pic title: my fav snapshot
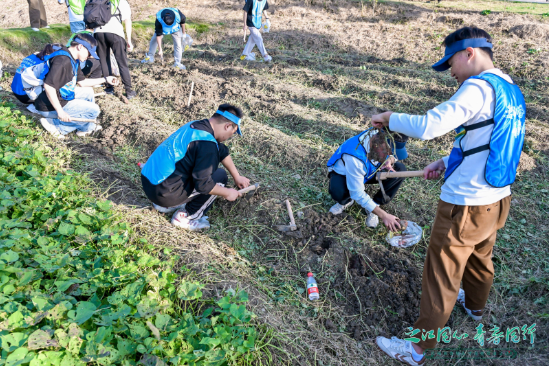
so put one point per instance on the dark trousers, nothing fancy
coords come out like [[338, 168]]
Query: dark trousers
[[110, 41], [92, 70], [199, 205], [196, 204], [338, 188], [37, 14]]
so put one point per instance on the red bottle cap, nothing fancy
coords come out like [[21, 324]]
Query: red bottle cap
[[309, 274]]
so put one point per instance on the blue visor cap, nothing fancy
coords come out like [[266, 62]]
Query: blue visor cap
[[443, 65], [231, 117], [89, 47]]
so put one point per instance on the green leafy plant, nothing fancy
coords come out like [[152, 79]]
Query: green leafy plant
[[76, 288], [485, 12]]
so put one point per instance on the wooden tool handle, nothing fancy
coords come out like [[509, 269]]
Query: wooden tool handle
[[82, 120], [292, 222], [249, 188], [384, 175]]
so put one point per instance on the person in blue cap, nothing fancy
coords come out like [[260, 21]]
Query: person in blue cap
[[182, 174], [67, 93], [169, 21], [488, 115]]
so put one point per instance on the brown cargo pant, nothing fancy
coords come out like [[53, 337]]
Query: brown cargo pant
[[37, 14], [461, 247]]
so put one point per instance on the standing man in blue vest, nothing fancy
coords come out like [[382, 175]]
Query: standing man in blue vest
[[252, 20], [488, 114], [182, 174], [169, 21], [353, 165], [76, 14]]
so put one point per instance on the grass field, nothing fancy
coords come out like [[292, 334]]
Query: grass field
[[336, 63]]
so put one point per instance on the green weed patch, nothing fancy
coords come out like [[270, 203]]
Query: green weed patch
[[77, 288]]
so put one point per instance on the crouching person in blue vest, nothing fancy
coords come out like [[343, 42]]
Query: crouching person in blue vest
[[66, 92], [355, 164], [169, 21], [182, 174], [488, 115]]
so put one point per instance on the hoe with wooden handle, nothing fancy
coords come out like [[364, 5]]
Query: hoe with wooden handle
[[292, 224], [249, 191], [384, 175]]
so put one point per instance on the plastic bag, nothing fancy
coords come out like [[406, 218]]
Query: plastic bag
[[266, 26], [187, 41], [409, 237]]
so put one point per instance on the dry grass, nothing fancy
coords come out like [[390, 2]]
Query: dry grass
[[335, 65]]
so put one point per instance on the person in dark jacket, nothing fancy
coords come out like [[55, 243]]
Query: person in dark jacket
[[182, 174], [169, 21]]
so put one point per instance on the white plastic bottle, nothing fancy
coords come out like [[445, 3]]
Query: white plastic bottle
[[312, 290]]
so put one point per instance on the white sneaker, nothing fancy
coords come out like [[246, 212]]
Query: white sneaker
[[36, 29], [250, 57], [179, 66], [83, 134], [49, 127], [398, 349], [47, 27], [168, 210], [148, 60], [476, 315], [338, 209], [268, 58], [372, 220], [179, 219]]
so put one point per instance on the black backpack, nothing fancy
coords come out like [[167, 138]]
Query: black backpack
[[97, 13]]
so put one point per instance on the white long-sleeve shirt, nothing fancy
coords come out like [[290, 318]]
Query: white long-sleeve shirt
[[474, 102], [355, 172]]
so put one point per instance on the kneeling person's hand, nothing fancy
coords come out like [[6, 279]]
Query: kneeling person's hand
[[232, 195]]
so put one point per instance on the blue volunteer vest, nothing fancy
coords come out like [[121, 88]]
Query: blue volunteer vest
[[66, 92], [506, 141], [162, 163], [257, 9], [16, 83], [355, 148], [169, 29]]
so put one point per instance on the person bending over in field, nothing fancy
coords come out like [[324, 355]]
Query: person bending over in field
[[252, 20], [182, 174], [169, 21], [355, 164], [488, 114]]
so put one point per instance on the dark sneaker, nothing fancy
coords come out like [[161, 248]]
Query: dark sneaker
[[110, 90], [131, 94]]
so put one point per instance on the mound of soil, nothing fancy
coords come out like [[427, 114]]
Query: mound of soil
[[387, 286], [529, 31]]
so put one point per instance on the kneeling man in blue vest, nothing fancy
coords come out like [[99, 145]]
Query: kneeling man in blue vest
[[169, 21], [182, 174], [67, 94]]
